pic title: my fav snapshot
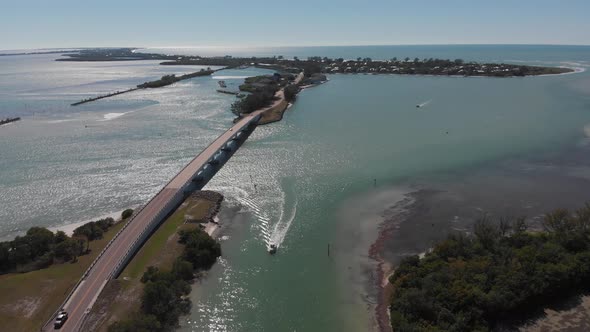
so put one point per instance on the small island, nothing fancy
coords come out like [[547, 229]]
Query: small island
[[407, 66], [270, 94], [317, 64]]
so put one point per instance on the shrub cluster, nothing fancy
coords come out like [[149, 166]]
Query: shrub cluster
[[473, 283], [127, 213], [95, 229], [38, 249], [259, 98], [291, 91], [164, 295], [171, 79]]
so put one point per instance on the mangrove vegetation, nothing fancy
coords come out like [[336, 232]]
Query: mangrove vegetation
[[474, 283], [39, 248], [164, 298]]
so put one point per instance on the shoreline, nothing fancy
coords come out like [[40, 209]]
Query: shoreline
[[383, 268], [507, 188], [574, 70], [360, 222], [162, 82], [69, 228]]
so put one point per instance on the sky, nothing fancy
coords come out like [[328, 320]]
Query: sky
[[247, 23]]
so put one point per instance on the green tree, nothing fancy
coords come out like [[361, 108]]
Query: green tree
[[290, 92], [127, 213], [60, 236], [161, 300], [69, 249], [40, 240], [182, 269]]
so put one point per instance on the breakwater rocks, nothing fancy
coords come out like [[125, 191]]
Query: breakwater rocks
[[164, 81], [212, 196], [83, 101], [8, 120], [171, 79]]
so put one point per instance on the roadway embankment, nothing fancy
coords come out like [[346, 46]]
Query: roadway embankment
[[120, 298]]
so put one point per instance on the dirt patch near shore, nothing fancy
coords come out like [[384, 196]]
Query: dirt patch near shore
[[274, 114], [576, 318]]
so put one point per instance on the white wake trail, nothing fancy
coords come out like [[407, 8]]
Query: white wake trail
[[282, 227]]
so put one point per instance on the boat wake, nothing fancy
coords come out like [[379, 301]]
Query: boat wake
[[261, 216], [271, 232], [112, 116], [424, 104], [281, 228], [229, 77], [60, 121]]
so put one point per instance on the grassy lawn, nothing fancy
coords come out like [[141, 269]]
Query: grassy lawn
[[121, 297], [28, 299], [161, 249]]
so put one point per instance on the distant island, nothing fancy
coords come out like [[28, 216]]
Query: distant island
[[273, 93], [112, 54], [39, 52], [316, 64]]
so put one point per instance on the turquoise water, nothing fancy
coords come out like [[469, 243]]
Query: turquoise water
[[308, 169]]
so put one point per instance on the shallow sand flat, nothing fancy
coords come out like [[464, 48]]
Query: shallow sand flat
[[576, 319], [517, 187], [360, 218]]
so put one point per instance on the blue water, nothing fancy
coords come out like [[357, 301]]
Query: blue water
[[65, 164]]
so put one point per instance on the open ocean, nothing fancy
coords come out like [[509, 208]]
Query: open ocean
[[61, 164]]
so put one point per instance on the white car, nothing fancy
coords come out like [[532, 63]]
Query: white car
[[61, 318]]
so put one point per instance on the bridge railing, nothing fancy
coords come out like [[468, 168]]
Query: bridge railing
[[165, 210]]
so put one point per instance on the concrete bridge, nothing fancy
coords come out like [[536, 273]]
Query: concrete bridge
[[119, 251]]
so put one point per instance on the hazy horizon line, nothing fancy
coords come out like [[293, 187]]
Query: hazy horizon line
[[287, 46]]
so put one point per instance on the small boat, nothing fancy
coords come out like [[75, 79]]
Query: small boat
[[222, 84], [418, 106], [272, 249]]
